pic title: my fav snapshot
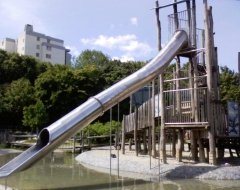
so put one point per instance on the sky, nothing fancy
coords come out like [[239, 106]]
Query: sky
[[124, 30]]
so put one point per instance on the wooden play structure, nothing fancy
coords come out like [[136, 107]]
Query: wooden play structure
[[189, 106]]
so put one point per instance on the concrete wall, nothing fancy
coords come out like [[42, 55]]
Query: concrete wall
[[8, 44], [21, 44]]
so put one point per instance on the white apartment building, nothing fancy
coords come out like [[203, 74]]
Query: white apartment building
[[38, 45]]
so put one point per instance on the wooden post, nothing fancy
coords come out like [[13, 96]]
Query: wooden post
[[130, 144], [203, 45], [162, 151], [178, 95], [176, 24], [215, 73], [183, 141], [195, 74], [158, 23], [139, 143], [173, 142], [212, 150], [135, 131], [201, 149], [123, 134], [189, 23], [179, 150], [193, 145], [144, 142], [194, 24]]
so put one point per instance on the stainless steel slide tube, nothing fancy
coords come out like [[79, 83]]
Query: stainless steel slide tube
[[60, 131]]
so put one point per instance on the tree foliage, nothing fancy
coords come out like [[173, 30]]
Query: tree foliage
[[229, 85], [35, 116], [91, 57], [99, 128], [13, 67], [59, 90], [17, 95]]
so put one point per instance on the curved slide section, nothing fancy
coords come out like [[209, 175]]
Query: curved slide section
[[54, 135]]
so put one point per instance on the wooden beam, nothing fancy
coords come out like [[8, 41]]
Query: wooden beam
[[157, 7]]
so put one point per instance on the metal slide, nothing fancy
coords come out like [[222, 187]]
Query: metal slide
[[54, 135]]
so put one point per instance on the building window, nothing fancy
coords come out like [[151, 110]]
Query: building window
[[48, 56], [23, 48], [48, 41], [49, 48], [23, 40], [2, 43], [38, 46], [37, 54], [38, 38]]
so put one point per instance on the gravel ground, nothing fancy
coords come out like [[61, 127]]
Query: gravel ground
[[227, 168]]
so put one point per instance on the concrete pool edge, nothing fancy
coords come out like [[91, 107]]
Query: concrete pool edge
[[141, 165]]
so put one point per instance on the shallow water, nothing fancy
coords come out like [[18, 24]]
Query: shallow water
[[61, 171]]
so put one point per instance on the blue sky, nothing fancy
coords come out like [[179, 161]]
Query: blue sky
[[123, 30]]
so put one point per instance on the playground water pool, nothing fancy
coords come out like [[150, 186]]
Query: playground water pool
[[60, 171]]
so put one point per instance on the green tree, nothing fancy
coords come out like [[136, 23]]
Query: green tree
[[117, 70], [59, 90], [91, 57], [14, 67], [18, 94], [98, 129], [91, 79], [35, 116], [229, 85]]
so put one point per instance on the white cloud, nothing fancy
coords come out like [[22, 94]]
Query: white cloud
[[85, 41], [109, 42], [124, 58], [127, 44], [133, 21], [73, 50]]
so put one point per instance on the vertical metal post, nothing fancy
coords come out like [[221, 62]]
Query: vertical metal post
[[239, 84], [123, 134], [89, 140], [153, 121], [117, 140], [135, 131], [239, 66], [110, 141], [82, 140], [74, 144], [149, 145]]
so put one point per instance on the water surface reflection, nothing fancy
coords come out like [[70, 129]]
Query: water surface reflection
[[60, 171]]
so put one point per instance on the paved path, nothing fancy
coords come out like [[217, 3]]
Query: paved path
[[227, 168]]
